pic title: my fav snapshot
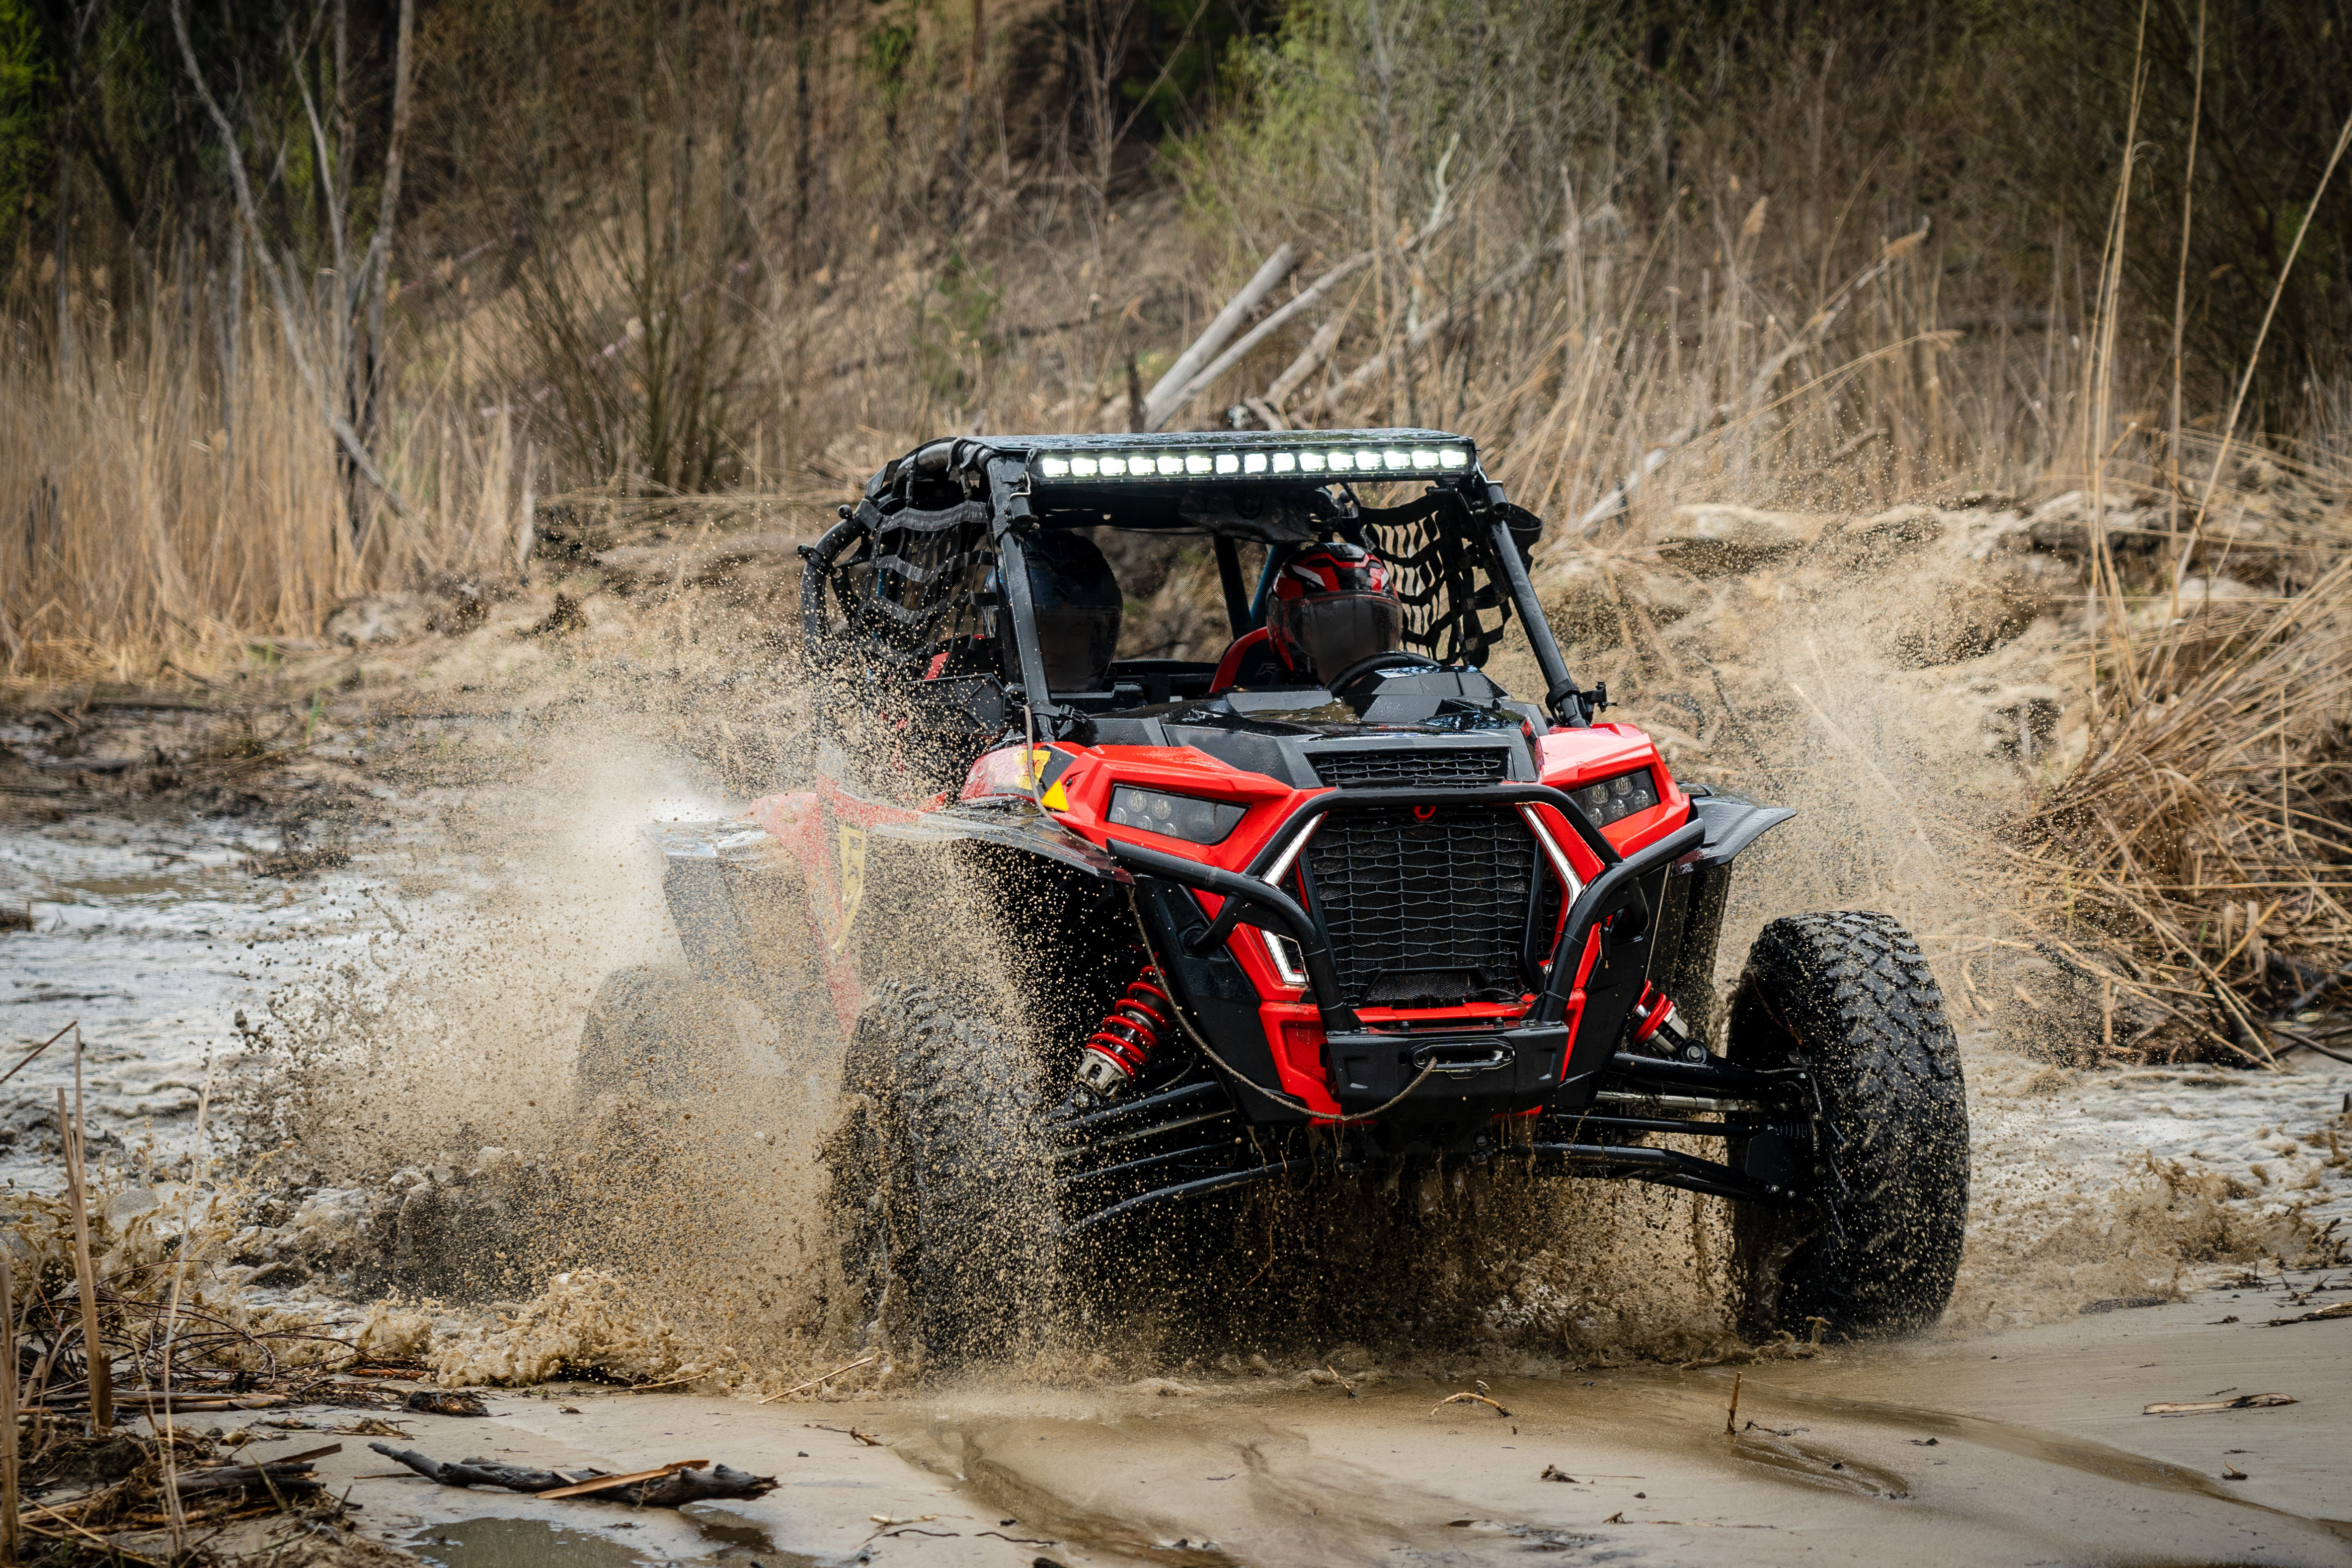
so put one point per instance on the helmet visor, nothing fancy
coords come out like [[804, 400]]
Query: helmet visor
[[1335, 630]]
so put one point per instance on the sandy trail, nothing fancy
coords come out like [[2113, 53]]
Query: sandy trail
[[2024, 1447]]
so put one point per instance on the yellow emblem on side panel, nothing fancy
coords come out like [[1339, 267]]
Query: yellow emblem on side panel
[[853, 880]]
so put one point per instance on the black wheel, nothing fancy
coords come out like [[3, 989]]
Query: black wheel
[[657, 1031], [1849, 997], [939, 1190]]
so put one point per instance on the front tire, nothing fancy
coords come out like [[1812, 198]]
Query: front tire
[[1849, 997], [941, 1191]]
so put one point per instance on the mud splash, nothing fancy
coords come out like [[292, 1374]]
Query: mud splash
[[396, 1033], [409, 1024]]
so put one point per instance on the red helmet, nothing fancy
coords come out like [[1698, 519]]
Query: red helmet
[[1333, 606]]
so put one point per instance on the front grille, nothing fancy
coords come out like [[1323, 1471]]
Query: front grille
[[1397, 767], [1423, 911]]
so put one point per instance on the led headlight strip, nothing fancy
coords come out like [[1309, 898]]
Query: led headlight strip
[[1280, 463]]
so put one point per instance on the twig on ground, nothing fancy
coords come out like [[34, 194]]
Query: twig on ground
[[2209, 1407], [870, 1441], [25, 1060], [812, 1382], [2318, 1315]]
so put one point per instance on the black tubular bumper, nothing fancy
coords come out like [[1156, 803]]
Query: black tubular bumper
[[1531, 1061], [1603, 897], [1266, 905]]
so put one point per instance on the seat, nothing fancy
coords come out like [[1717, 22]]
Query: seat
[[1229, 668]]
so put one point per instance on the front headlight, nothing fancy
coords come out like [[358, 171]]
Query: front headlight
[[1615, 799], [1184, 816]]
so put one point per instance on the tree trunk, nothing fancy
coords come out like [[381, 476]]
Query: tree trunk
[[63, 258], [387, 216]]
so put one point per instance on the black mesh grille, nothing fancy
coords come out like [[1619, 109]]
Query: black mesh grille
[[1422, 911], [1448, 767]]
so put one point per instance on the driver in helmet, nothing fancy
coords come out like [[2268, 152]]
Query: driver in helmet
[[1331, 608]]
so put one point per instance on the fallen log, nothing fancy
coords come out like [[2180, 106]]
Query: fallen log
[[1158, 414], [613, 1483], [671, 1486], [1162, 399], [288, 1476]]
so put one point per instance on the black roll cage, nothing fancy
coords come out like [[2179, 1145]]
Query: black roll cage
[[997, 482]]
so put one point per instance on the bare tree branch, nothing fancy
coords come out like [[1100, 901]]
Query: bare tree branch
[[1306, 301], [353, 447], [388, 211]]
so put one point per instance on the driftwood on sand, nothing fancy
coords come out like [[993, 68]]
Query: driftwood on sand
[[671, 1486]]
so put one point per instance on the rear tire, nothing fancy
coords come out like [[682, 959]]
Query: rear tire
[[1850, 997], [939, 1190], [655, 1030]]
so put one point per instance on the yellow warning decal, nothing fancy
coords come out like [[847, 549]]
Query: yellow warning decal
[[1047, 767], [853, 880]]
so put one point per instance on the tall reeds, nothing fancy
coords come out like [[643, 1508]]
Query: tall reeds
[[2201, 849], [153, 508], [2197, 862]]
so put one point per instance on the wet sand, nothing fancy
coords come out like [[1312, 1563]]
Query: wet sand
[[2028, 1446]]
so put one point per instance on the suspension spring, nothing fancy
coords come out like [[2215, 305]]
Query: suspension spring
[[1658, 1022], [1123, 1042]]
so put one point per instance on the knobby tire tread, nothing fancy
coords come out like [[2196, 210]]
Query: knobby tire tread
[[963, 1189], [1850, 996]]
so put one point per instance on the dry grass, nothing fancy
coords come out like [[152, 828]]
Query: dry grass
[[160, 510], [2196, 866]]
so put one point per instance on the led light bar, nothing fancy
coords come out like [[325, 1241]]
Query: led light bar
[[1316, 463]]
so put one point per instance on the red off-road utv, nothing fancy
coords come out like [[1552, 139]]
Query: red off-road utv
[[1106, 938]]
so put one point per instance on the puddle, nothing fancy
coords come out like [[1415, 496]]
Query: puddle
[[156, 938], [178, 959], [520, 1543], [719, 1537], [1817, 1466]]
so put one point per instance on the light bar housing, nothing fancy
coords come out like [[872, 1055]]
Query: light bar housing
[[1286, 458]]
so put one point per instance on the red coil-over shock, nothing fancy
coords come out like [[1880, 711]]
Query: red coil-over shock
[[1123, 1042], [1654, 1017]]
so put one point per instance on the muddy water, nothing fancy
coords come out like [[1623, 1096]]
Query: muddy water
[[454, 936], [155, 939]]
